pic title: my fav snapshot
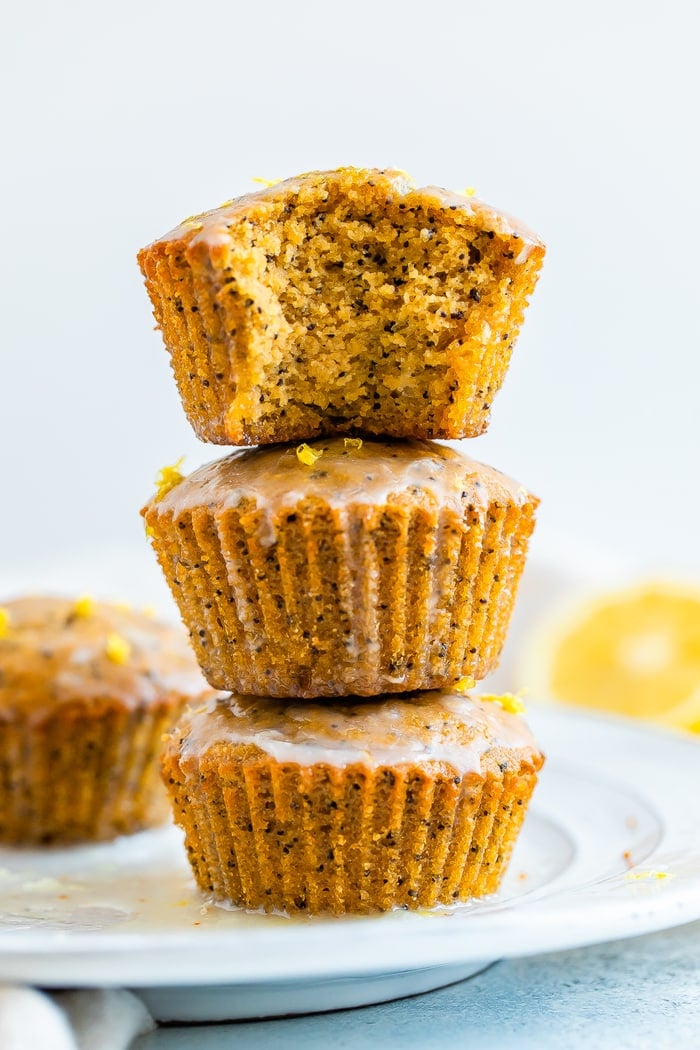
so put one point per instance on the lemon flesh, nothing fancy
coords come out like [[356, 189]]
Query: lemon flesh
[[635, 652]]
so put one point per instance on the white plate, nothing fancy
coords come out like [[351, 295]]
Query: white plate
[[615, 810]]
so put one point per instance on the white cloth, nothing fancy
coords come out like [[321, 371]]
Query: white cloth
[[81, 1020]]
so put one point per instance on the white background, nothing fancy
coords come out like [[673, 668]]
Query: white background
[[582, 119]]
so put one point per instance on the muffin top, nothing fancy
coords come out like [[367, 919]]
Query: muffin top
[[341, 471], [440, 726], [212, 228], [57, 650]]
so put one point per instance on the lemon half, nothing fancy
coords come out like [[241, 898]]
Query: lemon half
[[634, 652]]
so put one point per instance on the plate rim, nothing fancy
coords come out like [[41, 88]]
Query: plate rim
[[522, 926]]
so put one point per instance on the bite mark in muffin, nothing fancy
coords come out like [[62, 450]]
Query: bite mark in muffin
[[341, 301]]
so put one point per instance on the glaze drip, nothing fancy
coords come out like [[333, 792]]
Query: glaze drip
[[418, 728], [275, 478]]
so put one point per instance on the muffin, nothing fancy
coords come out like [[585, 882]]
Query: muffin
[[340, 302], [86, 692], [352, 807], [343, 567]]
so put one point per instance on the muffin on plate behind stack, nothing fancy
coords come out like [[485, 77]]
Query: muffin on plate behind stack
[[87, 690], [348, 567]]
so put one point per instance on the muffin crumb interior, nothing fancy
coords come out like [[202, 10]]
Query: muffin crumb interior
[[343, 306]]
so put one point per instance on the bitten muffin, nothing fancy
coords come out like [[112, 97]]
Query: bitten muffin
[[339, 302], [86, 692], [363, 806], [346, 567]]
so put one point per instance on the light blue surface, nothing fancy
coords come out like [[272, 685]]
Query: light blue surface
[[627, 995]]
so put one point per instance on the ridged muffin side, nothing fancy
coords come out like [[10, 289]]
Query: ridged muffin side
[[327, 824], [377, 567], [84, 774]]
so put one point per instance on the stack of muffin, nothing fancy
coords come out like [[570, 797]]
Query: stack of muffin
[[346, 584]]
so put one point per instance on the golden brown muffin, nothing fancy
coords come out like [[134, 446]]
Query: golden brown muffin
[[338, 302], [86, 692], [348, 567], [362, 806]]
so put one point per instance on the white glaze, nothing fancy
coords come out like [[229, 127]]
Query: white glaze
[[275, 479], [211, 230], [438, 726], [51, 656]]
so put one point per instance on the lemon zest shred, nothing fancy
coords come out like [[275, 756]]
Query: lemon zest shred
[[636, 876], [465, 684], [307, 455], [168, 477], [353, 442], [84, 606], [4, 622], [265, 182], [150, 531], [193, 221], [510, 702], [470, 191], [117, 649]]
